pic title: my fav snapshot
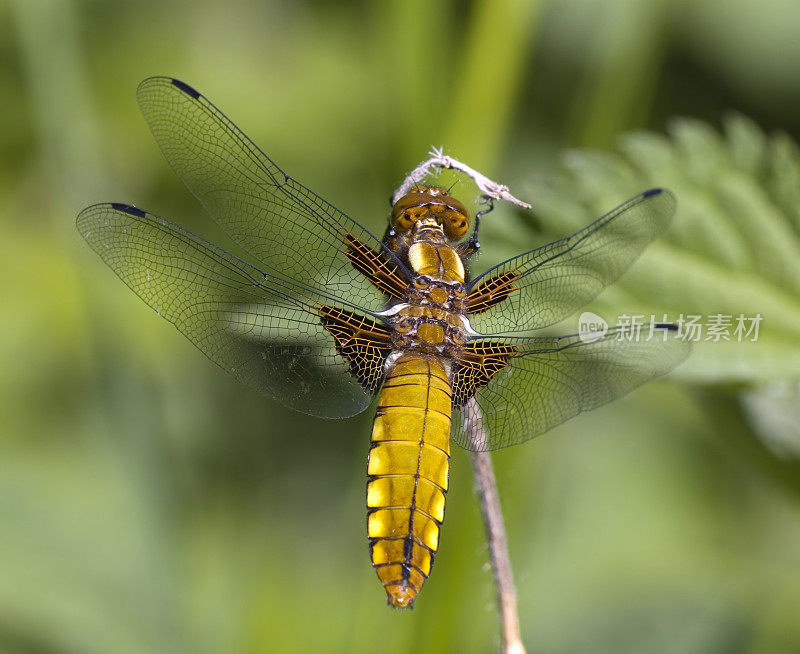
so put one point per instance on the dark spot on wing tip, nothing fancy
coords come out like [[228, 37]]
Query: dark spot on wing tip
[[129, 209], [188, 90], [671, 327], [653, 191]]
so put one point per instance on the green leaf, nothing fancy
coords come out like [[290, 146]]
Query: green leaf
[[733, 248]]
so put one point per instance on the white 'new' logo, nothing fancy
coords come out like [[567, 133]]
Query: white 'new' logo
[[591, 327]]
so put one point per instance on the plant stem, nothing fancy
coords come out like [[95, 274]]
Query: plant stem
[[495, 531]]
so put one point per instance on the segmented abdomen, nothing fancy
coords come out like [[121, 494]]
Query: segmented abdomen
[[408, 466]]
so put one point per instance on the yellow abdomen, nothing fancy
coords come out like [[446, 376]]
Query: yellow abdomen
[[408, 466]]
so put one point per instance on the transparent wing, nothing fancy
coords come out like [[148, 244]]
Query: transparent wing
[[265, 331], [541, 382], [289, 230], [546, 285]]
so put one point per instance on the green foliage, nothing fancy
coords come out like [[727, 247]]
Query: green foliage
[[733, 248]]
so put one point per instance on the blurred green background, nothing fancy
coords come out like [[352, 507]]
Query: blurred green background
[[150, 504]]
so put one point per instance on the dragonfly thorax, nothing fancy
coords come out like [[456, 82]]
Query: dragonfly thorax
[[432, 320]]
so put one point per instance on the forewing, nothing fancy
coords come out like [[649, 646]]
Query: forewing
[[267, 332], [546, 285], [289, 230], [518, 388]]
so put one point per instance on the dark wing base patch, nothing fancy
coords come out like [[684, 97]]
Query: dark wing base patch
[[491, 292], [363, 342], [478, 362], [385, 276]]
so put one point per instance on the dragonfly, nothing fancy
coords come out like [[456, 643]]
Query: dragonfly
[[325, 316]]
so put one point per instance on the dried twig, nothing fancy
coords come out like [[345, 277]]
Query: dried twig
[[495, 530], [437, 159]]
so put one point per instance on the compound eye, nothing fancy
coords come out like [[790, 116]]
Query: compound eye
[[455, 225], [404, 221]]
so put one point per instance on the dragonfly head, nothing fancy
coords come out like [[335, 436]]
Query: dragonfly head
[[430, 203]]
